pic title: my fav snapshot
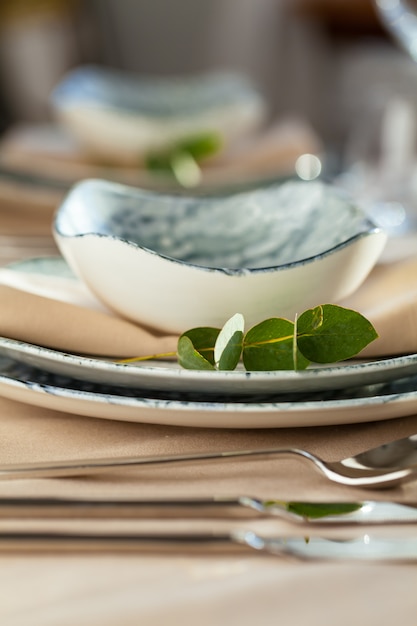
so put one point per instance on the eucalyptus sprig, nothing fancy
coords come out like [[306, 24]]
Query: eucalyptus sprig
[[182, 159], [324, 334]]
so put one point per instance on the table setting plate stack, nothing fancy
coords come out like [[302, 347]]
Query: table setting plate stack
[[139, 265], [135, 467], [143, 267]]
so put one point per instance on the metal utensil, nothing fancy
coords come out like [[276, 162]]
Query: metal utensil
[[364, 548], [216, 507], [385, 466]]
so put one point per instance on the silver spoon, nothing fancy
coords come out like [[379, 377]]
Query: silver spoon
[[384, 466]]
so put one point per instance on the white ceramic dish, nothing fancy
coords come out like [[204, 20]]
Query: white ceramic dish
[[174, 263], [18, 382], [122, 116], [169, 376]]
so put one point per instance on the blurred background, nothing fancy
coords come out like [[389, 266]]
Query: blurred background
[[325, 60], [329, 64]]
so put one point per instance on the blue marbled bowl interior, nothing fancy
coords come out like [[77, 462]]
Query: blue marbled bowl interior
[[156, 97], [268, 227]]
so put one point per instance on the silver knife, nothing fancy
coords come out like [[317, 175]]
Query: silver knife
[[361, 512], [364, 548]]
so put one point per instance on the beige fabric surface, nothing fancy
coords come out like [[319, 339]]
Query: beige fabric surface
[[57, 588], [68, 327], [60, 313], [389, 299]]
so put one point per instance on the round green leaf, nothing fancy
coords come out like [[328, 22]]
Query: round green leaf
[[201, 146], [228, 347], [203, 340], [181, 159], [342, 333], [318, 510], [189, 358], [269, 346]]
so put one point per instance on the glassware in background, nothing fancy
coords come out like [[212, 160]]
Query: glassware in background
[[382, 164], [37, 44], [398, 134], [380, 154], [400, 18]]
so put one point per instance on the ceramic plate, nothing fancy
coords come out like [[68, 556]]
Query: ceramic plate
[[163, 375], [36, 387]]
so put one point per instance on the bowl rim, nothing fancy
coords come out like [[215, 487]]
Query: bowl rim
[[370, 229], [64, 95]]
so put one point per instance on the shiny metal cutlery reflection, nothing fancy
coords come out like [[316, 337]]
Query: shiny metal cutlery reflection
[[385, 466], [364, 548], [216, 507]]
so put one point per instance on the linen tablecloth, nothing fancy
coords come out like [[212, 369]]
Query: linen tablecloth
[[51, 589]]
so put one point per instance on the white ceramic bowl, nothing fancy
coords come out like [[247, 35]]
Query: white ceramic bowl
[[121, 116], [174, 263]]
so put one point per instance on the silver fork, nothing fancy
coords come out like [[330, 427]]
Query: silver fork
[[215, 507], [385, 466]]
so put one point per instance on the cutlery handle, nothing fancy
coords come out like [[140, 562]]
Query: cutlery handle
[[70, 508], [120, 542], [364, 548], [84, 467], [210, 507]]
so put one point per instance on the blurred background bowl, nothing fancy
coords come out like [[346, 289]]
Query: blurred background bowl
[[122, 117]]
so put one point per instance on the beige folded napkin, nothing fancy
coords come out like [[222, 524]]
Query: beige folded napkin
[[60, 313], [388, 298]]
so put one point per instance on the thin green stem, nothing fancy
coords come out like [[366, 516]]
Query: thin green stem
[[294, 344], [267, 341], [161, 355]]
